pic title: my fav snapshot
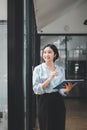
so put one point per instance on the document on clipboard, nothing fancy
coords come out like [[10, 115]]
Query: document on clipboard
[[62, 85]]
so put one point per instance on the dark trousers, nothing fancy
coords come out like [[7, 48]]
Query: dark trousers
[[51, 111]]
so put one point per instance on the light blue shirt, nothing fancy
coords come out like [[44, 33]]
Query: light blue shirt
[[41, 73]]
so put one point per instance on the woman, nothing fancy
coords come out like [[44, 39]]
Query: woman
[[46, 76]]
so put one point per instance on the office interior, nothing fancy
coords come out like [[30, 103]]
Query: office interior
[[25, 27]]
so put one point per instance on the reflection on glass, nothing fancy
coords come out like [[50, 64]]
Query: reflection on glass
[[76, 58], [3, 75]]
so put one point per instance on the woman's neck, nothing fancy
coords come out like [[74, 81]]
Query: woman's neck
[[50, 66]]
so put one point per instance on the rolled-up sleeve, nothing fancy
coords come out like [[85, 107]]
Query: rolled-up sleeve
[[61, 91], [37, 85]]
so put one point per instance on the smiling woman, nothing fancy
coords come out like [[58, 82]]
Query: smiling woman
[[51, 109], [46, 76]]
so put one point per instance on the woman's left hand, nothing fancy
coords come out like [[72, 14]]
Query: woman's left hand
[[68, 87]]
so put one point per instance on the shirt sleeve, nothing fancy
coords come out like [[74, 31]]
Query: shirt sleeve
[[61, 91], [37, 85]]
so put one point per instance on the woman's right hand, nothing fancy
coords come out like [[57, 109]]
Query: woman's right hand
[[53, 74]]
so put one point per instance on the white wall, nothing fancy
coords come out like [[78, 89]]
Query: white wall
[[70, 22], [3, 9]]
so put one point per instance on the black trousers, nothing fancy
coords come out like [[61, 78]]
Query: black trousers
[[51, 111]]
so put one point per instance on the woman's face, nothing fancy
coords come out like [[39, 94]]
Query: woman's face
[[48, 54]]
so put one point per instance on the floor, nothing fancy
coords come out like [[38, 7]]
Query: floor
[[76, 115]]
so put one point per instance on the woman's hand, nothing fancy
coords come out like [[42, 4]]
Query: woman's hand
[[68, 87], [46, 82], [53, 74]]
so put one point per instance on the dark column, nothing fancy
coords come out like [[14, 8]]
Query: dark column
[[15, 64], [31, 44], [30, 35]]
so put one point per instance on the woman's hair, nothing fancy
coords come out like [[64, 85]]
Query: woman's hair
[[55, 50]]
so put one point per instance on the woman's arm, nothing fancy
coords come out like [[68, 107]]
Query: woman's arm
[[39, 86], [47, 82]]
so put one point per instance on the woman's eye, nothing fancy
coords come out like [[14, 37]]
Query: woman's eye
[[49, 52]]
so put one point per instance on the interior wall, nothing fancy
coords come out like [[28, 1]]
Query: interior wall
[[3, 9], [70, 22]]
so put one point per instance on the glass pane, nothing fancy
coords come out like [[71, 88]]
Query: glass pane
[[73, 57], [3, 75], [76, 68], [76, 57], [77, 63], [3, 65]]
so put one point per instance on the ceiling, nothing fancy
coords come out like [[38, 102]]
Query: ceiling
[[66, 15]]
